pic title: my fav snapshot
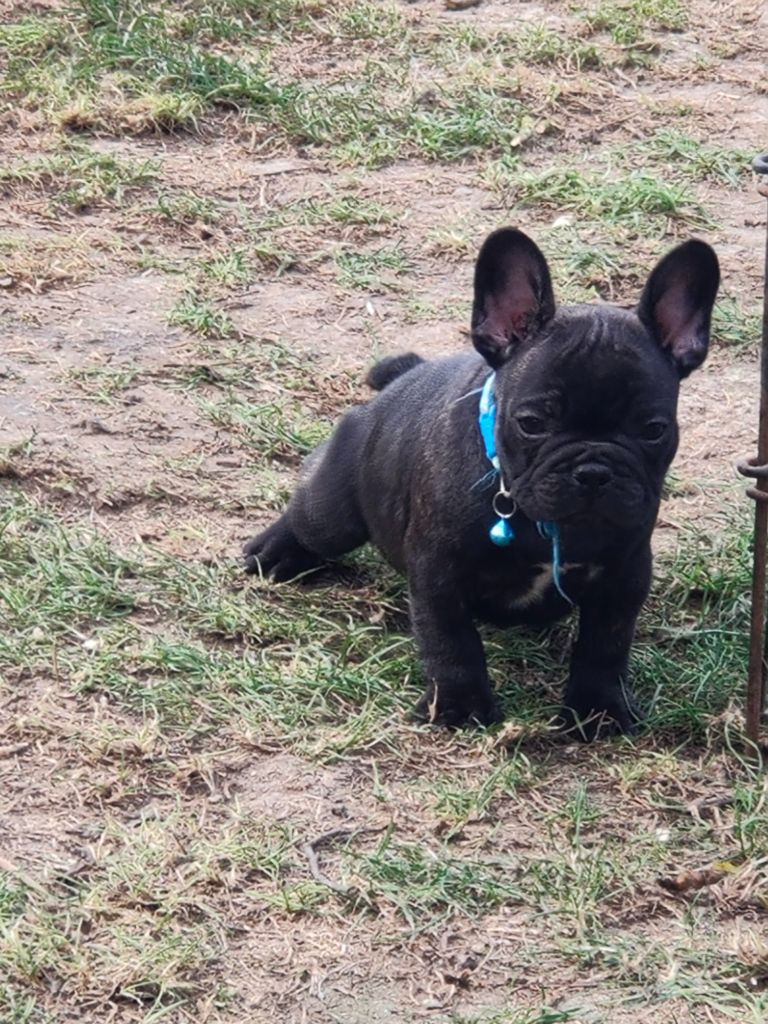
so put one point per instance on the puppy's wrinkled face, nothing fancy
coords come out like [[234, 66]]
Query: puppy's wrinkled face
[[587, 395], [586, 420]]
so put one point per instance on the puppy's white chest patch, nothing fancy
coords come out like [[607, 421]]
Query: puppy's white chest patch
[[543, 581]]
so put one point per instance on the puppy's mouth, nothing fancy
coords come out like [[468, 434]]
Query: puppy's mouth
[[597, 483], [559, 501]]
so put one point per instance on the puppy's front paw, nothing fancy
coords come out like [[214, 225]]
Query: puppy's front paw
[[277, 553], [612, 714], [453, 709]]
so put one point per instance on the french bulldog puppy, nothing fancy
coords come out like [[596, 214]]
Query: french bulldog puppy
[[516, 482]]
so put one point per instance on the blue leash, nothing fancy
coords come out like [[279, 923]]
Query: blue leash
[[502, 532], [552, 533]]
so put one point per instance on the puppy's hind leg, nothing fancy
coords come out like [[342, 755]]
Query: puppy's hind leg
[[323, 520], [277, 553]]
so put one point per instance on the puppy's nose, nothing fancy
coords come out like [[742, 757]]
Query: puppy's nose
[[591, 476]]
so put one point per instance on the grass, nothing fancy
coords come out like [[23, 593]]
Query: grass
[[737, 326], [42, 263], [708, 583], [448, 124], [215, 278], [627, 21], [539, 44], [591, 261], [269, 430], [201, 316], [157, 81], [79, 177], [215, 804], [104, 383], [633, 199], [228, 269], [140, 68], [243, 19], [467, 122], [120, 926], [187, 208], [12, 898], [695, 160], [187, 650], [373, 271], [459, 803], [331, 209], [416, 309], [90, 601], [689, 662], [542, 1015], [429, 887]]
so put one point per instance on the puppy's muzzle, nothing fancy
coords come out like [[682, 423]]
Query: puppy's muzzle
[[592, 477]]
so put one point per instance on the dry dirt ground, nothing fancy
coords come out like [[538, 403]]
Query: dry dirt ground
[[213, 806]]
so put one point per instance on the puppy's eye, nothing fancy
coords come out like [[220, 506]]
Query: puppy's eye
[[531, 426], [654, 430]]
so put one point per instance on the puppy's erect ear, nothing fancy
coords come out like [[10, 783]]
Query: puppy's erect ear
[[513, 294], [676, 304]]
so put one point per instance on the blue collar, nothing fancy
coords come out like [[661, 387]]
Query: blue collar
[[487, 420], [502, 532]]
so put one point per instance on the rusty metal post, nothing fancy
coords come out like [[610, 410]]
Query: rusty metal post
[[757, 468]]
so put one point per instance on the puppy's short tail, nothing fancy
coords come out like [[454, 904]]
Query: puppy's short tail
[[387, 370]]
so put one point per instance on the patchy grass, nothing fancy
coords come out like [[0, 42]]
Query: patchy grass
[[80, 177], [633, 199], [627, 21], [327, 672], [140, 68], [118, 933], [104, 383], [591, 261], [705, 606], [374, 270], [269, 430], [465, 801], [201, 317], [541, 45], [51, 261], [122, 66], [428, 887], [696, 160], [736, 325], [185, 648], [331, 209], [187, 208], [215, 805], [210, 279]]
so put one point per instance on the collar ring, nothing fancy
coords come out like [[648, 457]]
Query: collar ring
[[504, 505]]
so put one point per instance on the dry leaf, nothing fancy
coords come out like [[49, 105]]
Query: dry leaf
[[697, 878]]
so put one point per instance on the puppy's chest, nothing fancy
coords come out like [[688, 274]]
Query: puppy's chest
[[572, 579], [532, 591]]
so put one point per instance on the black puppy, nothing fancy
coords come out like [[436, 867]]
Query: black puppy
[[513, 484]]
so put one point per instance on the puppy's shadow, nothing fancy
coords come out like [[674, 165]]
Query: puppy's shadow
[[366, 578]]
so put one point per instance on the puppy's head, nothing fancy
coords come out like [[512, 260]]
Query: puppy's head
[[587, 395]]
